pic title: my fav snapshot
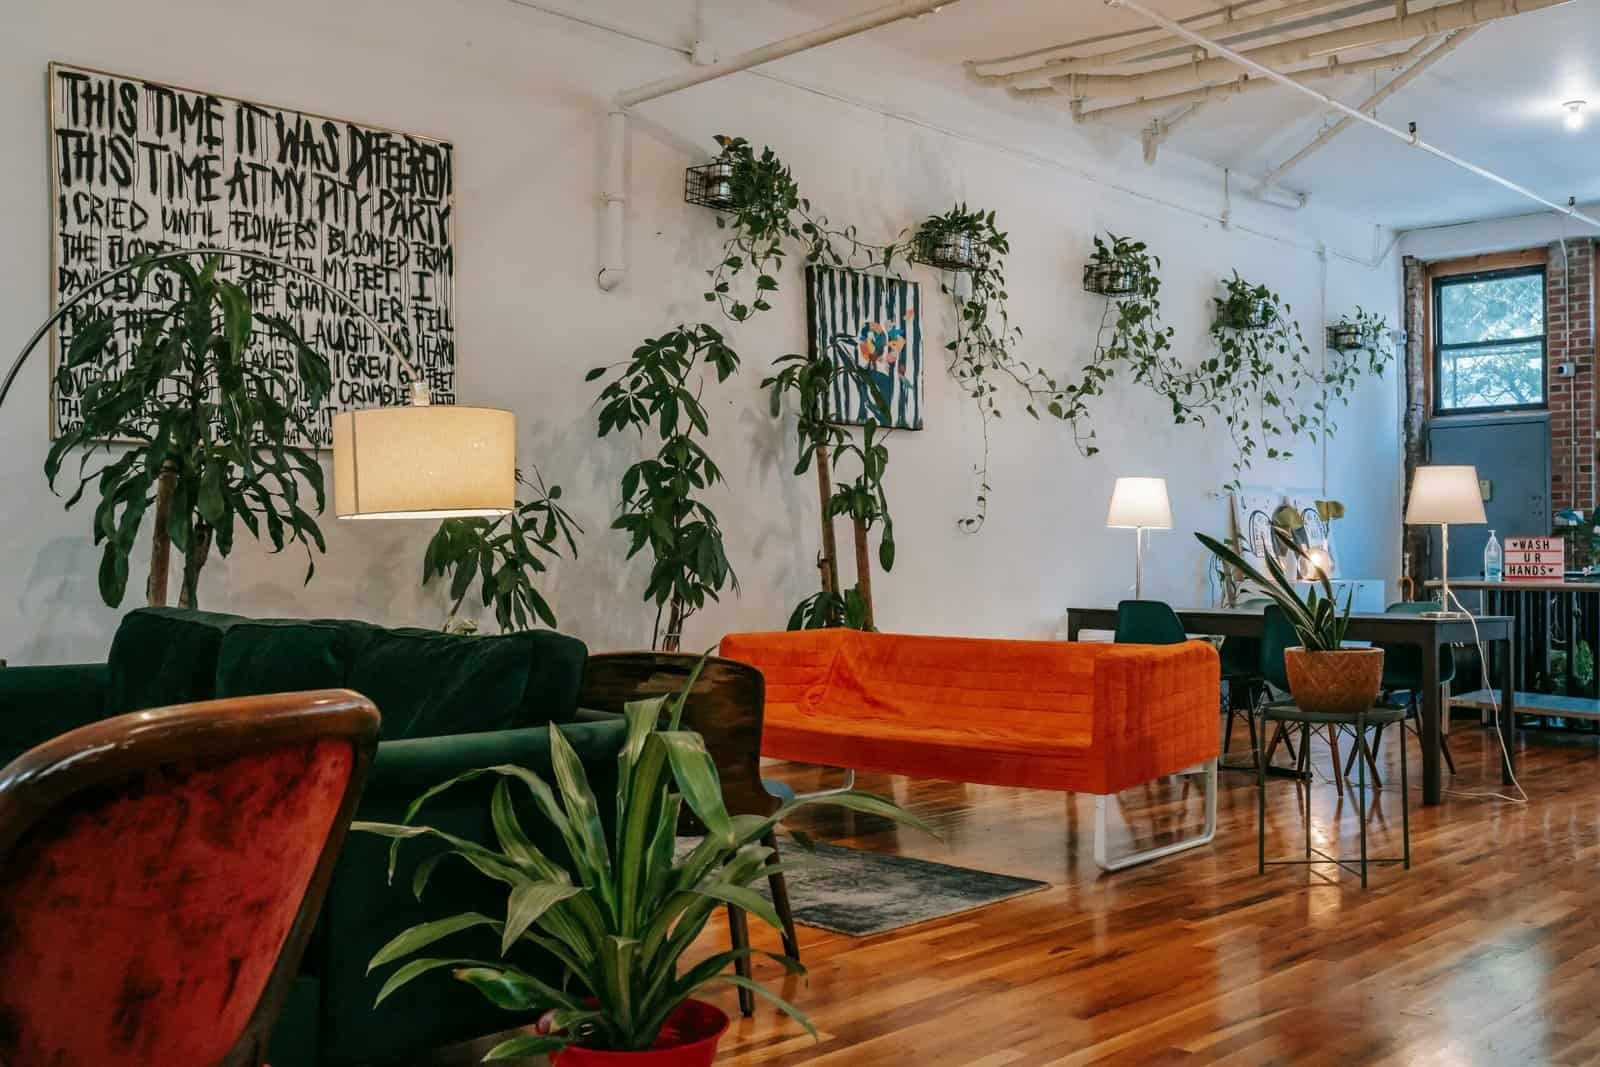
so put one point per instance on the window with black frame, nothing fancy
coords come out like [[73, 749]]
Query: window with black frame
[[1489, 341]]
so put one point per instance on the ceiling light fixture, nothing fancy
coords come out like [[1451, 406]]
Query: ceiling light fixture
[[1574, 117]]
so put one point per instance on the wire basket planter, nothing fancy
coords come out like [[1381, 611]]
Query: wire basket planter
[[1112, 279], [710, 185], [946, 250], [1256, 314], [1345, 337]]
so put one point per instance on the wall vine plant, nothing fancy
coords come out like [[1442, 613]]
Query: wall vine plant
[[1359, 344], [1258, 364]]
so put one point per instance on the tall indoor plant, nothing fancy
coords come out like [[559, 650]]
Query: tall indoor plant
[[1324, 675], [621, 914], [196, 422]]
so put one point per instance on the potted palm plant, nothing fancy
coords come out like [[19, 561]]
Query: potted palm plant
[[1324, 676], [621, 914]]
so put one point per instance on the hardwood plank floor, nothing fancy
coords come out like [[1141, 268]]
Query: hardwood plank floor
[[1486, 952]]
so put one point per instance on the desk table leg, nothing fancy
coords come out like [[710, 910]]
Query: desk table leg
[[1432, 787], [1508, 718]]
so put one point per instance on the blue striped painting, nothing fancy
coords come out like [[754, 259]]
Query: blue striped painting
[[873, 325]]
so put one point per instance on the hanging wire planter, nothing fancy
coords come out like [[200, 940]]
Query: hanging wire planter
[[710, 185], [1248, 314], [1345, 336], [945, 249], [1112, 278]]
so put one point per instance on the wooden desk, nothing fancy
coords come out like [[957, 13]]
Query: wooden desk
[[1429, 635]]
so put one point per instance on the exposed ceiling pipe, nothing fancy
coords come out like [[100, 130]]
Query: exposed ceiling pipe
[[1160, 47], [614, 190], [1155, 134], [1369, 105], [1434, 21], [1224, 13], [1242, 84], [1410, 137]]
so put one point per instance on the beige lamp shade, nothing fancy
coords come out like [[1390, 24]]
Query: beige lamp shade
[[1140, 503], [424, 462], [1445, 494]]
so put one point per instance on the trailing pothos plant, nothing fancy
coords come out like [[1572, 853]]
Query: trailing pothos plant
[[824, 444], [195, 421], [1258, 364], [657, 392], [622, 911], [1130, 336], [503, 555], [1344, 368]]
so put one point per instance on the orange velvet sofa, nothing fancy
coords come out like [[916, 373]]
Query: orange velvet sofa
[[1083, 717]]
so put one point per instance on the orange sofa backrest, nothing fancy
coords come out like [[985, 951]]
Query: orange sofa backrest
[[1044, 714]]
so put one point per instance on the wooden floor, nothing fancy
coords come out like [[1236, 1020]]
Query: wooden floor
[[1487, 951]]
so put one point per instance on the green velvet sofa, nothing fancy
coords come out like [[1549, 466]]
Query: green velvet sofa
[[450, 703]]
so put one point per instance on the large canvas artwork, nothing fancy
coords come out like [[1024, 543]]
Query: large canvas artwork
[[873, 324], [1253, 508], [140, 166]]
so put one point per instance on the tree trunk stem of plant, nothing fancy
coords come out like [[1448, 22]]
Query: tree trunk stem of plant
[[675, 617], [864, 570], [155, 591], [193, 560], [828, 564]]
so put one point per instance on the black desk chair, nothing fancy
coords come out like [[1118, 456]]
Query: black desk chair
[[1279, 635], [1402, 673], [1246, 688]]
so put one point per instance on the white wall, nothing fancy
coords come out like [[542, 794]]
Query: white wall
[[520, 94], [1495, 235]]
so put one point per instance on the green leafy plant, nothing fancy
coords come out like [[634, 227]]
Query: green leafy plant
[[1130, 337], [197, 421], [622, 915], [1316, 619], [825, 444], [657, 391], [1344, 367], [504, 555], [1255, 373]]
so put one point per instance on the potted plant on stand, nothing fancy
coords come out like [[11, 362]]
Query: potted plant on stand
[[1324, 676], [621, 913]]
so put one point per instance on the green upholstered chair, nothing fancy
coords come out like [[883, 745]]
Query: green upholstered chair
[[450, 703], [1402, 673], [1148, 622], [1279, 634], [1241, 673]]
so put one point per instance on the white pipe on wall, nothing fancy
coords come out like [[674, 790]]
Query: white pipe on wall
[[614, 193], [1409, 137]]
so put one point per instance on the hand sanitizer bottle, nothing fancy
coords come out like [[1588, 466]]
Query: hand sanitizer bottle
[[1493, 560]]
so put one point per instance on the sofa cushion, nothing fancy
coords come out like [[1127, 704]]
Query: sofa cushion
[[164, 656], [285, 655], [431, 684]]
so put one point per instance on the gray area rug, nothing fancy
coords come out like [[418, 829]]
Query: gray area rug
[[849, 891]]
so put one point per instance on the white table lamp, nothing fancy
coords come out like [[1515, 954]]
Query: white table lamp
[[1442, 496], [1139, 504]]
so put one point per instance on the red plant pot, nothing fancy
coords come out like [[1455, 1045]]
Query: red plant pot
[[689, 1039]]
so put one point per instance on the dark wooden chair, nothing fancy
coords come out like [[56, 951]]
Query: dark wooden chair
[[725, 708], [160, 874]]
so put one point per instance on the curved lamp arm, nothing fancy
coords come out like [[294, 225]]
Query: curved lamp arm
[[419, 386]]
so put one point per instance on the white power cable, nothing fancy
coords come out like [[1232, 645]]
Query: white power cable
[[1494, 706]]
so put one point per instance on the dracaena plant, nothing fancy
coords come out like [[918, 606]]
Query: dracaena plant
[[1316, 618], [196, 421], [504, 555], [623, 909]]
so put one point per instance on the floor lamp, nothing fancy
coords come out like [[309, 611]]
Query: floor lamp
[[416, 461], [1139, 504], [1443, 496]]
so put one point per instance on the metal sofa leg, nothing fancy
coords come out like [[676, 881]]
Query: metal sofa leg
[[848, 784], [1133, 859]]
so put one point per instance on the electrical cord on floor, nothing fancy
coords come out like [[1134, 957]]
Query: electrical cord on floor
[[1494, 707]]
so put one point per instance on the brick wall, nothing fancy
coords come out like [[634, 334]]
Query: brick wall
[[1570, 330]]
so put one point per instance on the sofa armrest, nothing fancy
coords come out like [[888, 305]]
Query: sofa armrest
[[38, 703], [1157, 710], [364, 910]]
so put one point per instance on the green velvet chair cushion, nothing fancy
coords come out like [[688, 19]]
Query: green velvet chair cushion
[[38, 703], [164, 656]]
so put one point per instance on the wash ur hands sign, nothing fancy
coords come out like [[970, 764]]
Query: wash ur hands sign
[[140, 166], [1535, 558]]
